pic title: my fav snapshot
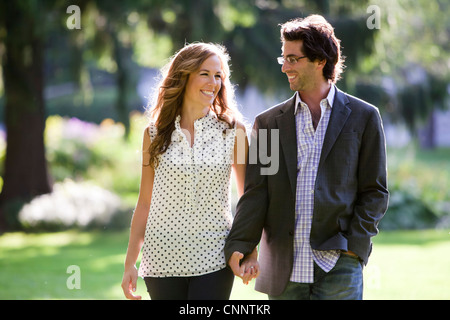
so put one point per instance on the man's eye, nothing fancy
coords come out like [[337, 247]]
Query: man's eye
[[291, 59]]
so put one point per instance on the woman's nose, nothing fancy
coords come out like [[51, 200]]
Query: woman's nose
[[216, 81]]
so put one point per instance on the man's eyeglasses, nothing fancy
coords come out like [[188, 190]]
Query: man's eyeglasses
[[289, 59]]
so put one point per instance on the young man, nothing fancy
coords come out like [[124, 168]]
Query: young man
[[318, 212]]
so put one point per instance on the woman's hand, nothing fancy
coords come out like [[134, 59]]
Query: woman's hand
[[129, 281]]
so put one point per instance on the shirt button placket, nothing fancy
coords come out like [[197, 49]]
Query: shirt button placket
[[189, 159]]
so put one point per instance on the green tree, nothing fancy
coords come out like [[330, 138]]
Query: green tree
[[411, 60], [118, 35], [24, 27], [25, 169]]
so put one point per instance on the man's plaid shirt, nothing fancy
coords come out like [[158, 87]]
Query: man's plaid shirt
[[309, 148]]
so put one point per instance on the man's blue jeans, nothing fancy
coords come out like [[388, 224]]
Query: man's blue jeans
[[343, 282]]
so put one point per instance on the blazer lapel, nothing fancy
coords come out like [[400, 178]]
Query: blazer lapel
[[288, 140], [339, 115]]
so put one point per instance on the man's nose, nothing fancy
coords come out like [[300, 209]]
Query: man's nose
[[284, 67]]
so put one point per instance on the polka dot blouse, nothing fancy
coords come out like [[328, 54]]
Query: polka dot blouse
[[190, 212]]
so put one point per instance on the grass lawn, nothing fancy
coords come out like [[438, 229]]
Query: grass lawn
[[403, 265]]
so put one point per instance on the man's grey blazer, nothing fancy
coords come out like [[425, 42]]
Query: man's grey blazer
[[350, 195]]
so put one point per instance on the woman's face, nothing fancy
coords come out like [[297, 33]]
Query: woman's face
[[204, 84]]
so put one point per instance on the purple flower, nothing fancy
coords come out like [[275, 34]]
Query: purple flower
[[80, 130]]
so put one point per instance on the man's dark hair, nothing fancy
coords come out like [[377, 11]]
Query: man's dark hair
[[319, 43]]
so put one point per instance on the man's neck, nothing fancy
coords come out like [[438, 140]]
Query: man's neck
[[313, 97]]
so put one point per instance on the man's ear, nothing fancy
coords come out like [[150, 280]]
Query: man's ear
[[321, 63]]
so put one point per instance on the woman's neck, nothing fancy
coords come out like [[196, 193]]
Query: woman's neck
[[189, 115]]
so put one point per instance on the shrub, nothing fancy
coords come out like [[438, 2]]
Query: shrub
[[70, 147], [407, 212], [80, 151], [74, 205], [419, 183]]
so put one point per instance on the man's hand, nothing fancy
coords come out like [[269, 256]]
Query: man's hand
[[234, 263], [248, 269]]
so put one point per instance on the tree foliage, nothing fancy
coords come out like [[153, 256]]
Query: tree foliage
[[411, 60], [403, 67]]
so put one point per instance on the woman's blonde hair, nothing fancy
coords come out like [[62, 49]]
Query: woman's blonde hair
[[170, 93]]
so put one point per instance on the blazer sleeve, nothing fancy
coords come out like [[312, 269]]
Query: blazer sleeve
[[372, 194], [251, 209]]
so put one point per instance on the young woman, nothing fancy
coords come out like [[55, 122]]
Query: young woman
[[183, 215]]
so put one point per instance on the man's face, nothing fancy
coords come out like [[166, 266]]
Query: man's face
[[302, 75]]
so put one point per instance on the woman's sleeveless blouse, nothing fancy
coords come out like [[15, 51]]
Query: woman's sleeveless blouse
[[190, 212]]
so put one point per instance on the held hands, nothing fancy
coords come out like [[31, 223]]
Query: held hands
[[248, 269], [129, 283]]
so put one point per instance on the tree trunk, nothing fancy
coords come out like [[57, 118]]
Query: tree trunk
[[25, 168], [122, 78]]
